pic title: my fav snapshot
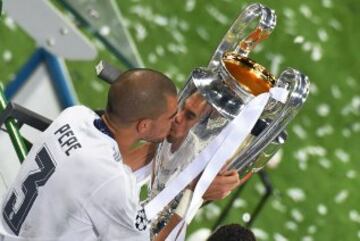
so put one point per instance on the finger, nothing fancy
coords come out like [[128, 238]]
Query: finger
[[226, 180], [209, 196], [246, 177], [231, 172], [223, 170]]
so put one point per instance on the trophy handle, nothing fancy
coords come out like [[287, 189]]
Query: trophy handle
[[298, 86], [235, 41]]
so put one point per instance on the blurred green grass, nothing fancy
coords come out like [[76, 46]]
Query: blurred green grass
[[323, 167]]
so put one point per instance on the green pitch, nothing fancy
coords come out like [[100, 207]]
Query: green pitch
[[317, 181]]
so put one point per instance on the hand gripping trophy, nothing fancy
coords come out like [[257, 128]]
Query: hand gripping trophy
[[231, 113]]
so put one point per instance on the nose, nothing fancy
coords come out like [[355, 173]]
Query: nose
[[179, 118]]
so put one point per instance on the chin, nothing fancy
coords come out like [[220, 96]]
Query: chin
[[157, 140]]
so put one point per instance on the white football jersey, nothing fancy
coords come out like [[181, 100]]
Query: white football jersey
[[73, 186]]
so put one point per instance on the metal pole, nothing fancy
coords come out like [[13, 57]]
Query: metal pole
[[13, 130]]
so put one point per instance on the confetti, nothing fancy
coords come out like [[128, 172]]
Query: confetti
[[296, 194], [341, 196], [279, 237], [260, 234], [322, 209]]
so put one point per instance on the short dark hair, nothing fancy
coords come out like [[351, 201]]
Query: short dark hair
[[138, 94], [232, 232]]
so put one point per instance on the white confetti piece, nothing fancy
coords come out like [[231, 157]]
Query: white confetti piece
[[180, 78], [327, 3], [334, 23], [203, 33], [322, 209], [105, 30], [296, 194], [341, 196], [199, 235], [211, 211], [342, 155], [323, 35], [178, 36], [183, 25], [290, 225], [299, 131], [217, 15], [9, 23], [297, 215], [312, 229], [351, 174], [316, 53], [313, 89], [353, 107], [351, 81], [260, 234], [305, 11], [160, 20], [335, 91], [325, 163], [356, 127], [246, 217], [307, 46], [303, 154], [239, 203], [260, 188], [176, 48], [289, 13], [95, 85], [152, 58], [299, 39], [307, 238], [323, 110], [190, 5], [354, 216], [7, 56], [276, 61], [140, 32], [278, 206], [324, 130], [346, 132], [142, 11], [279, 237], [159, 50]]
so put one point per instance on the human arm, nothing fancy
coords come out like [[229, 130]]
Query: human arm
[[177, 217]]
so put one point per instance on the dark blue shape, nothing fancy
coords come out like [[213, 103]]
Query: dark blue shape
[[30, 187]]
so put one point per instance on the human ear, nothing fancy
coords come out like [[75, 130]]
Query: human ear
[[143, 126]]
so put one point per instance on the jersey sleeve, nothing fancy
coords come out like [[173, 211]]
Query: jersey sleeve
[[113, 209]]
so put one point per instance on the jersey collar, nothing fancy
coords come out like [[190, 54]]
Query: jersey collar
[[101, 126]]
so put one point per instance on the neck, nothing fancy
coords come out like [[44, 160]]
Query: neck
[[128, 141]]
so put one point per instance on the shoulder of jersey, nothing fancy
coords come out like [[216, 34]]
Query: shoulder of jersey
[[78, 111]]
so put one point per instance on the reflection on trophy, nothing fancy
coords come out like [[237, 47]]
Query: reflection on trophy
[[215, 95]]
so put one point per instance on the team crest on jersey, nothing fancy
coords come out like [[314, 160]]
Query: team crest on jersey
[[141, 221]]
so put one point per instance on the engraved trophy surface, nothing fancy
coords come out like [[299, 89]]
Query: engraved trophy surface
[[214, 95]]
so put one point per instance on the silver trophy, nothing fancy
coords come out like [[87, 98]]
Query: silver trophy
[[214, 95]]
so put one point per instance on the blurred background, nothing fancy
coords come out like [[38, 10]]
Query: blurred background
[[316, 178]]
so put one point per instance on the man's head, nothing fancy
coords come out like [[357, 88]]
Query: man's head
[[188, 115], [145, 100], [232, 232]]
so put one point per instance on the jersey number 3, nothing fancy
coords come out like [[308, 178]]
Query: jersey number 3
[[15, 217]]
